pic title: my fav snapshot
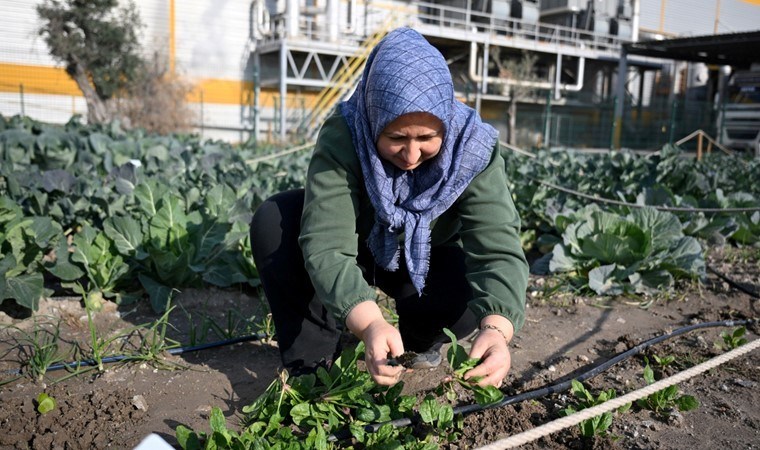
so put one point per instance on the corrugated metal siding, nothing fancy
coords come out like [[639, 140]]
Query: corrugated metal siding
[[20, 42], [697, 17], [211, 37], [154, 15]]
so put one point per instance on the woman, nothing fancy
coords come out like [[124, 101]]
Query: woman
[[406, 191]]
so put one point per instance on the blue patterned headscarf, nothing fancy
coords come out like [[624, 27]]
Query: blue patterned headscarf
[[405, 74]]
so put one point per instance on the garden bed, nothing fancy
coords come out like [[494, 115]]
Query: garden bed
[[563, 336]]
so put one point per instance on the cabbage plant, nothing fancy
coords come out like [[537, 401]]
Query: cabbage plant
[[642, 252]]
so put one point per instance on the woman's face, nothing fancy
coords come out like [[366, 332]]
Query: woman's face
[[410, 140]]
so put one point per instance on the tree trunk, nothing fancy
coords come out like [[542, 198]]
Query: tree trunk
[[97, 108]]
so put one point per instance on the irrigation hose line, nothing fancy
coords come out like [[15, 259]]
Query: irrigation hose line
[[618, 202], [733, 283], [635, 205], [585, 414], [280, 154], [561, 386], [171, 351]]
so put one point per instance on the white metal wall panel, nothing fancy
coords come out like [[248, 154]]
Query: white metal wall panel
[[154, 15], [697, 17], [212, 37], [20, 42]]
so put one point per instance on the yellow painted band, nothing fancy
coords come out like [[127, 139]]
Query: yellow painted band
[[55, 81], [37, 80]]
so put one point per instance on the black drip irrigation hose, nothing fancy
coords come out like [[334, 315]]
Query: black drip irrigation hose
[[733, 283], [557, 387], [464, 409], [171, 351]]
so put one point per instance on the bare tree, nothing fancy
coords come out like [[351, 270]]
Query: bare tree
[[157, 100], [517, 73], [97, 41]]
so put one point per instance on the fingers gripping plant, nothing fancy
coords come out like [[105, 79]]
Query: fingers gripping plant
[[461, 363]]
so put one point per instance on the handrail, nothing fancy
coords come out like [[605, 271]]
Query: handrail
[[345, 79]]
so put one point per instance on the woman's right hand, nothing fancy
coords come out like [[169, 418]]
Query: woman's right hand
[[380, 339]]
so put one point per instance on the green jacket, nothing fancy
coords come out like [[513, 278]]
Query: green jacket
[[338, 215]]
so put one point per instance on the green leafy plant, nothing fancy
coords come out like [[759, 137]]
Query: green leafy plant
[[153, 339], [596, 426], [733, 339], [45, 403], [665, 399], [461, 363], [300, 412], [664, 361], [170, 211], [641, 252], [24, 242], [95, 253], [40, 348]]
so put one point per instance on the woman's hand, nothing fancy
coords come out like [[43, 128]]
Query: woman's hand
[[380, 338], [491, 347]]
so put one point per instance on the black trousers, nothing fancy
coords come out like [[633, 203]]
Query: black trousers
[[307, 334]]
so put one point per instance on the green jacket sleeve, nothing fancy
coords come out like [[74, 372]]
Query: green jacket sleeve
[[329, 238], [490, 234]]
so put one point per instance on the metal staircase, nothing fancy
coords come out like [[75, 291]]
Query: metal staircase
[[343, 82]]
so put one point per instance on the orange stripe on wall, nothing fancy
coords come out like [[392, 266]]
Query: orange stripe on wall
[[55, 81], [37, 80], [215, 90]]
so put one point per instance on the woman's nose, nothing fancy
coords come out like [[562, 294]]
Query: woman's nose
[[412, 153]]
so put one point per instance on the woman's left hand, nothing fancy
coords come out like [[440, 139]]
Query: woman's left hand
[[491, 347]]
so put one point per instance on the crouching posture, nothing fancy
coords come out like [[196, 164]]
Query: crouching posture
[[407, 192]]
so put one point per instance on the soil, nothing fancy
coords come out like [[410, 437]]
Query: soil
[[565, 334]]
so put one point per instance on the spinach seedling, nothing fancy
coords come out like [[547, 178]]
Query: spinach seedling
[[461, 363], [665, 399], [596, 426], [733, 339]]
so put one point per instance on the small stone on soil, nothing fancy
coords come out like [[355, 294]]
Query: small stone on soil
[[675, 418], [138, 401], [744, 383]]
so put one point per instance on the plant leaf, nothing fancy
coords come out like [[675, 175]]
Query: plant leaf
[[126, 234], [26, 289], [159, 294], [45, 403], [603, 280], [687, 403], [63, 268]]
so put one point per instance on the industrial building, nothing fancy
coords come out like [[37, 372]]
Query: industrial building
[[272, 69]]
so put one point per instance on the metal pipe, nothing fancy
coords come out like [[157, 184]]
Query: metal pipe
[[283, 86], [293, 18], [622, 78], [635, 21], [557, 76], [549, 85], [256, 96]]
